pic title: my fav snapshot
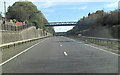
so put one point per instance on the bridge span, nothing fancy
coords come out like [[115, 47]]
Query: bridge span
[[61, 24]]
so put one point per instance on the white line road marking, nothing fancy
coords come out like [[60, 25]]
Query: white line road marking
[[101, 49], [65, 53], [97, 48], [70, 39], [61, 45], [79, 42], [20, 53]]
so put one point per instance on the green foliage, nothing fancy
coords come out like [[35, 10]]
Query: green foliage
[[95, 22], [28, 12], [21, 11], [14, 20]]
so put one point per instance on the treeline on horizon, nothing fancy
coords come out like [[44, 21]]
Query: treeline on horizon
[[25, 11], [98, 24]]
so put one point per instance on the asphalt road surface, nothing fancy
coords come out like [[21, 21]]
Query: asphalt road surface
[[63, 55]]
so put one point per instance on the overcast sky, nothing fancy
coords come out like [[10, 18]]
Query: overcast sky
[[68, 10]]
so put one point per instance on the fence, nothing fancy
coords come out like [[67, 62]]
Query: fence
[[15, 27]]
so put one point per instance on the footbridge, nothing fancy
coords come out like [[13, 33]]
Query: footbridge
[[61, 24]]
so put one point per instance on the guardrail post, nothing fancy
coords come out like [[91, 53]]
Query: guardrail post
[[118, 44], [41, 33], [23, 27], [11, 27], [7, 27], [18, 28], [14, 45], [4, 26], [1, 27], [8, 46], [15, 28]]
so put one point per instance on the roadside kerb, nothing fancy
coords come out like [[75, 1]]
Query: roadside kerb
[[13, 44]]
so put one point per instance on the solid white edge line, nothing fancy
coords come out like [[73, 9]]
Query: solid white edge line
[[65, 53], [20, 53], [97, 48], [101, 49]]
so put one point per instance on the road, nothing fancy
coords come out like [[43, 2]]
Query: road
[[63, 55]]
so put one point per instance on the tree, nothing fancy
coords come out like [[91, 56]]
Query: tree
[[27, 11], [89, 14], [97, 21], [21, 11]]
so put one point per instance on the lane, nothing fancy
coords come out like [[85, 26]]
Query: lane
[[96, 60], [62, 55]]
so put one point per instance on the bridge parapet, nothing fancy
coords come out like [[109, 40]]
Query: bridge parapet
[[61, 24]]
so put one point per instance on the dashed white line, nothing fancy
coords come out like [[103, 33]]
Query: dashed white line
[[70, 39], [65, 53], [79, 42], [20, 53], [61, 45]]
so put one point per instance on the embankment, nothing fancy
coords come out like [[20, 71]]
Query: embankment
[[29, 33]]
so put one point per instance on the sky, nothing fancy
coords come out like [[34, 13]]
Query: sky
[[68, 10]]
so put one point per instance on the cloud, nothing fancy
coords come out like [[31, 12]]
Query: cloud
[[114, 4], [78, 8], [50, 3], [63, 0], [46, 4], [73, 0], [49, 10], [85, 7], [63, 28]]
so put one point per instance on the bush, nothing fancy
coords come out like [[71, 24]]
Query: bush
[[14, 20]]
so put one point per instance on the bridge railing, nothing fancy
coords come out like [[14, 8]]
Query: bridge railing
[[60, 23]]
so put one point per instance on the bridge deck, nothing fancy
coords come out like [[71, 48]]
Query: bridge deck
[[61, 24]]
